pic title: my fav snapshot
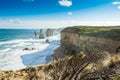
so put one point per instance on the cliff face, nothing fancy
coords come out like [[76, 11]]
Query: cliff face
[[75, 40]]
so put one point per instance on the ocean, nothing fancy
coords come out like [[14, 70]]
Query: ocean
[[13, 41]]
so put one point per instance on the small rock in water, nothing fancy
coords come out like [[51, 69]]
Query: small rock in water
[[29, 49], [26, 49], [47, 41], [35, 33], [33, 48]]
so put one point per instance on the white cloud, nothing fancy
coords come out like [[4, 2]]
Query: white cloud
[[28, 0], [32, 24], [118, 7], [116, 3], [15, 21], [70, 13], [67, 3]]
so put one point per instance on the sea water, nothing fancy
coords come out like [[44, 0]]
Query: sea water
[[14, 41]]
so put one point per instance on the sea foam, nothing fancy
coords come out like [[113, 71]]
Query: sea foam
[[13, 57]]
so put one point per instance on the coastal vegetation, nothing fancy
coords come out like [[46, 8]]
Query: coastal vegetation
[[75, 67], [110, 32], [91, 29]]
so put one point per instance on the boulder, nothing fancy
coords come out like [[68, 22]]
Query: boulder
[[26, 49], [47, 41], [33, 48]]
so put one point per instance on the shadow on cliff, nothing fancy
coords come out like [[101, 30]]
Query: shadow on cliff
[[40, 57]]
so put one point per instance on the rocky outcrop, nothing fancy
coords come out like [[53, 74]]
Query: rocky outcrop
[[41, 36], [59, 53], [35, 33], [29, 49], [47, 41], [49, 32], [90, 40]]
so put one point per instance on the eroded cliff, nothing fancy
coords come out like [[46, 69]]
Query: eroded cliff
[[90, 39]]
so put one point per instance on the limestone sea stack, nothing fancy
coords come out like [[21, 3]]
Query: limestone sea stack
[[49, 32], [35, 33], [41, 36]]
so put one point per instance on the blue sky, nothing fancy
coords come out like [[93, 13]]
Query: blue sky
[[58, 13]]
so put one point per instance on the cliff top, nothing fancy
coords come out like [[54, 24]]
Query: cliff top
[[102, 32]]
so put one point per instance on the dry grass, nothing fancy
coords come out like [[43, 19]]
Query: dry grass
[[76, 67]]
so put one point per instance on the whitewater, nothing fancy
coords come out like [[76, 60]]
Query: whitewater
[[13, 57]]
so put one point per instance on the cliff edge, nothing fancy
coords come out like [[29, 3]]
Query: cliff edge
[[90, 39]]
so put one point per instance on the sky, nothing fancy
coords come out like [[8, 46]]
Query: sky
[[58, 13]]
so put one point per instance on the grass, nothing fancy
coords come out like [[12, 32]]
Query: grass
[[91, 29], [109, 32]]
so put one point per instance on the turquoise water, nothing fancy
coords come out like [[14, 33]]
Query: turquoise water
[[11, 34], [7, 35]]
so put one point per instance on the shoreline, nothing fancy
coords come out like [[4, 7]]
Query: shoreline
[[19, 61], [40, 57]]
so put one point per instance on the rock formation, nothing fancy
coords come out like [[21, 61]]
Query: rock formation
[[90, 40], [49, 32], [47, 41], [41, 36], [28, 49], [35, 33]]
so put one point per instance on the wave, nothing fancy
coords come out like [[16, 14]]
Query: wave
[[16, 41], [29, 40], [10, 57]]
